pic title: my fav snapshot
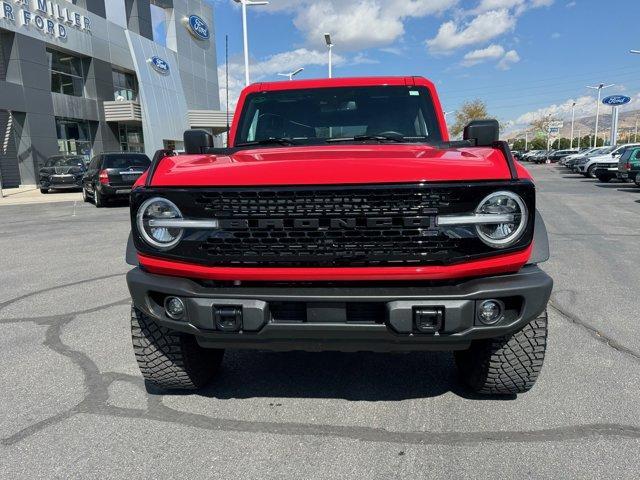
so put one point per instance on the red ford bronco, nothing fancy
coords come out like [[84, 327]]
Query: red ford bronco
[[340, 217]]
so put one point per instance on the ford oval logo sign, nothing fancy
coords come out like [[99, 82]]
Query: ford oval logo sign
[[198, 27], [615, 100], [159, 65]]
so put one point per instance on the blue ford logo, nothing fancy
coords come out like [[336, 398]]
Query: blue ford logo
[[198, 27], [159, 65], [615, 100]]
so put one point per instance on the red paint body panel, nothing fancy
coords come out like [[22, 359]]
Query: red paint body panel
[[507, 263], [332, 165]]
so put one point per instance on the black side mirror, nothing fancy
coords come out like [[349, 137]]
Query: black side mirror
[[483, 133], [197, 141]]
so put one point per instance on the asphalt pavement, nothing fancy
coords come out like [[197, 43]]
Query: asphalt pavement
[[73, 403]]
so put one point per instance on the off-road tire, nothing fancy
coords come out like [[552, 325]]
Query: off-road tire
[[170, 359], [505, 365]]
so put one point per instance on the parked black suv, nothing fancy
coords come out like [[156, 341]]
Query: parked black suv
[[112, 175], [62, 172]]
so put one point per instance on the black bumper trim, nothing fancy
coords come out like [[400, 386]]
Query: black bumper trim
[[531, 286]]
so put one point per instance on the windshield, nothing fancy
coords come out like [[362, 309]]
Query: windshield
[[65, 162], [126, 161], [313, 116]]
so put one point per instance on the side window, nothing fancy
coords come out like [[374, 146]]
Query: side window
[[636, 154]]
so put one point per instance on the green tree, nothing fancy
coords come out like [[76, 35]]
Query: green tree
[[472, 110], [538, 143], [518, 144]]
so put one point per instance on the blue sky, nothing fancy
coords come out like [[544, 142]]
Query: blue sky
[[524, 58]]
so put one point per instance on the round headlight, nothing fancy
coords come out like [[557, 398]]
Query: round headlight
[[501, 235], [158, 208]]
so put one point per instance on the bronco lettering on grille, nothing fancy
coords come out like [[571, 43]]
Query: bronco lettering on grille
[[326, 223]]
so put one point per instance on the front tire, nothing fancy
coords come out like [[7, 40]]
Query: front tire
[[505, 365], [170, 359], [591, 172], [85, 197], [44, 190]]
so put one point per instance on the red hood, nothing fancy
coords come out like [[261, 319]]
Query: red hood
[[334, 164]]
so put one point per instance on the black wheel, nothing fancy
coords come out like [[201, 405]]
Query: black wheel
[[44, 190], [171, 359], [98, 199], [505, 365], [85, 197], [591, 172]]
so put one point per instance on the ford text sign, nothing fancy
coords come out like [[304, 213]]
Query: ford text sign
[[159, 65], [615, 100], [198, 27]]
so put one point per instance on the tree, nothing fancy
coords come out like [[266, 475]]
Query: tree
[[472, 110], [518, 144], [538, 143]]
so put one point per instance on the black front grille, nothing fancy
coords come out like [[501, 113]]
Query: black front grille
[[331, 226]]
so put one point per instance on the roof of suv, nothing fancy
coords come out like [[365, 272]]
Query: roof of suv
[[337, 82]]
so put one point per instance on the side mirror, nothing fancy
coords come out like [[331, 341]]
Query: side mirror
[[483, 133], [197, 141]]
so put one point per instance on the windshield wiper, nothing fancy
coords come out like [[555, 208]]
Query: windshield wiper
[[267, 141], [359, 138]]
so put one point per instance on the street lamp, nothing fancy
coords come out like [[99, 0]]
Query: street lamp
[[327, 39], [573, 117], [245, 4], [291, 74], [599, 87]]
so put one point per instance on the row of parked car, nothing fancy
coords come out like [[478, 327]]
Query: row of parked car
[[604, 163], [105, 177]]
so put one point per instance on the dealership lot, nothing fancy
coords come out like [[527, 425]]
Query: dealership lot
[[73, 402]]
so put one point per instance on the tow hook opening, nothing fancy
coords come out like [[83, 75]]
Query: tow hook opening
[[428, 319], [228, 318]]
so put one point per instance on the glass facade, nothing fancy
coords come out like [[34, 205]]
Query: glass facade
[[67, 76], [74, 136], [125, 86], [131, 139]]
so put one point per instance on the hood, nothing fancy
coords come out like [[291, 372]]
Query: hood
[[334, 164], [603, 158]]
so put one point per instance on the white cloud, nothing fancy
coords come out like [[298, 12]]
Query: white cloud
[[509, 59], [492, 52], [571, 4], [555, 35], [482, 28], [357, 25], [487, 5]]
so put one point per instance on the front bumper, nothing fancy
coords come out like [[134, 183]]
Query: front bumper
[[319, 317], [61, 184]]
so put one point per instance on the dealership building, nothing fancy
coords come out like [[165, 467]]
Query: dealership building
[[89, 76]]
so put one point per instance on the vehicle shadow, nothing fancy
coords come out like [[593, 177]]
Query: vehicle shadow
[[349, 376], [617, 185]]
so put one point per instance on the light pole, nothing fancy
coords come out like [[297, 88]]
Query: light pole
[[327, 39], [291, 74], [573, 117], [599, 87], [526, 141], [635, 135], [245, 4]]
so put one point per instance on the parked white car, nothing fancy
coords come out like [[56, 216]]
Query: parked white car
[[588, 168]]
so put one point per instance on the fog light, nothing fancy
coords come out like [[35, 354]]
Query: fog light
[[174, 307], [490, 311]]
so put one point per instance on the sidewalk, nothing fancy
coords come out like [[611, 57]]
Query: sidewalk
[[31, 194]]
